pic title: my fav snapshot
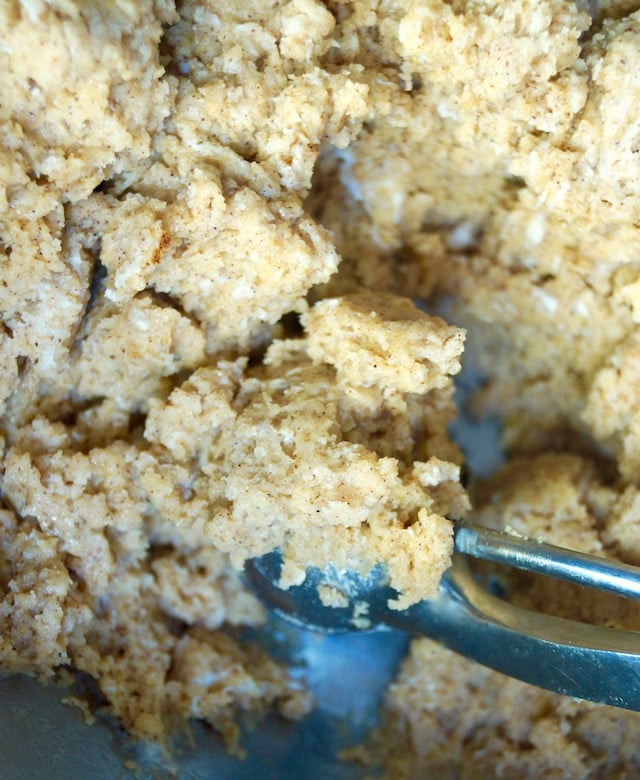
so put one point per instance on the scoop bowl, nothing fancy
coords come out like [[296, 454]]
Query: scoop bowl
[[585, 661]]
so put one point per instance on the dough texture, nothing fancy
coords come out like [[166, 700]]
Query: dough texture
[[242, 248]]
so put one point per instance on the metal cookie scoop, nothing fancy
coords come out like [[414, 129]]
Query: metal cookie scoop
[[589, 662]]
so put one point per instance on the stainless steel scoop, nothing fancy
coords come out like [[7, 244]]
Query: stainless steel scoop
[[586, 661]]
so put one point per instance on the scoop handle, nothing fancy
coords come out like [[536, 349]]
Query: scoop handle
[[581, 568], [585, 661]]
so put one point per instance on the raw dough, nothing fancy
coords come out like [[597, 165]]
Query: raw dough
[[212, 221]]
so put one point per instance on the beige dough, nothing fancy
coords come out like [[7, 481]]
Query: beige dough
[[225, 232]]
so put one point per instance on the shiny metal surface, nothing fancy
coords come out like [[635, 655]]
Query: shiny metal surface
[[542, 558], [586, 661]]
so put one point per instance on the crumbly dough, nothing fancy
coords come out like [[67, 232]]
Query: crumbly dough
[[447, 717], [158, 426], [287, 454], [214, 218], [502, 170]]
